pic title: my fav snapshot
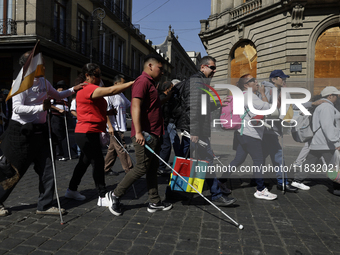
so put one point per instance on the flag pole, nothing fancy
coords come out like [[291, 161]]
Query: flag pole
[[52, 157]]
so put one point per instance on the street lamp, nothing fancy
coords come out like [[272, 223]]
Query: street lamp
[[100, 14]]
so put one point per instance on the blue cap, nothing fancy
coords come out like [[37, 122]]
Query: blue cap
[[278, 73]]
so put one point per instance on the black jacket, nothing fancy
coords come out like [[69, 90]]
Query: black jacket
[[191, 118]]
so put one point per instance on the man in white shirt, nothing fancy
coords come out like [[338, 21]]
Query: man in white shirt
[[116, 127], [26, 140]]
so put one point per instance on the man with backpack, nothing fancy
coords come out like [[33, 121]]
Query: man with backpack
[[326, 137], [198, 125]]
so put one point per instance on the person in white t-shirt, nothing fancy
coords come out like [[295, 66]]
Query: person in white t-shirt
[[116, 126]]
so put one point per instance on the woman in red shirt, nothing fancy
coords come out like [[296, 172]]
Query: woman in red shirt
[[91, 114]]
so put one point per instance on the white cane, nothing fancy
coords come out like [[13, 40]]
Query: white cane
[[67, 138], [283, 173], [133, 186], [52, 158]]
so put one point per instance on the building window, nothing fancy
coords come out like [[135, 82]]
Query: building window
[[112, 50], [101, 48], [243, 60], [6, 16], [327, 59], [59, 21], [141, 63], [120, 55], [82, 32]]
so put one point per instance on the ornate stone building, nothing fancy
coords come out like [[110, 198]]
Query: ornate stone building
[[301, 37], [72, 33], [184, 65]]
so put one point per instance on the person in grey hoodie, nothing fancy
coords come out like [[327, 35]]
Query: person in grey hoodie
[[326, 138], [270, 142]]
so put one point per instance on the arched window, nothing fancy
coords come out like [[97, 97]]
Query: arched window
[[243, 60], [327, 59]]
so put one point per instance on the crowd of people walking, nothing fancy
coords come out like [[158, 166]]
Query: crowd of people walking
[[160, 112]]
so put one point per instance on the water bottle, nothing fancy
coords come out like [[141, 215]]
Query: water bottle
[[148, 138]]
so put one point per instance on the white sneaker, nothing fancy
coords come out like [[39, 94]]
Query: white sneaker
[[300, 185], [265, 194], [102, 201], [74, 195]]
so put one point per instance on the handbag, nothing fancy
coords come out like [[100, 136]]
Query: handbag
[[192, 170]]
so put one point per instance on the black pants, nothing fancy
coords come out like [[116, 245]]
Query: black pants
[[30, 149], [59, 129], [91, 153]]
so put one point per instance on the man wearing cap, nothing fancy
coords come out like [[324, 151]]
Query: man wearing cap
[[326, 137], [270, 141]]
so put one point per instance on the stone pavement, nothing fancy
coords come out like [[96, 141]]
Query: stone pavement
[[303, 223]]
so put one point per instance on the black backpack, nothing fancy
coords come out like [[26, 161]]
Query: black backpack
[[176, 104]]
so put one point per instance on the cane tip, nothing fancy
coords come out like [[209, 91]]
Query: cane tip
[[240, 226], [61, 223]]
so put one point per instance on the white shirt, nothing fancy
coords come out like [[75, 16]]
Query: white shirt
[[28, 105], [257, 131], [73, 107], [60, 106], [120, 103]]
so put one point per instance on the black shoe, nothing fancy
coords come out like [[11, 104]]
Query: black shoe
[[115, 206], [224, 189], [160, 206], [288, 188], [336, 192], [224, 201], [111, 173]]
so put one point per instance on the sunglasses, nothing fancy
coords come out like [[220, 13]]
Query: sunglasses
[[211, 67], [251, 80]]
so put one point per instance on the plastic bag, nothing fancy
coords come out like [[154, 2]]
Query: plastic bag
[[334, 173]]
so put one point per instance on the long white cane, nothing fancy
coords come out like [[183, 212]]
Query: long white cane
[[67, 138], [133, 186], [52, 158]]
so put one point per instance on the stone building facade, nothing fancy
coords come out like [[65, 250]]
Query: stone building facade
[[184, 65], [71, 34], [301, 37]]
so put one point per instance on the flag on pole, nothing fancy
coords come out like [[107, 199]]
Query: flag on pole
[[34, 67]]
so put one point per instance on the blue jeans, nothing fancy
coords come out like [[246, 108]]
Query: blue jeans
[[170, 137], [184, 147], [174, 138], [271, 147], [253, 147], [206, 153]]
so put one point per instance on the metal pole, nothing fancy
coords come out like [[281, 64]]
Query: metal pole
[[52, 157], [67, 138]]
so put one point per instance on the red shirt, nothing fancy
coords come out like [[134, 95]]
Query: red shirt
[[151, 117], [91, 113]]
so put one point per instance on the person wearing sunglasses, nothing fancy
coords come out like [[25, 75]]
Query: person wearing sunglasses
[[91, 114], [198, 125], [270, 142]]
